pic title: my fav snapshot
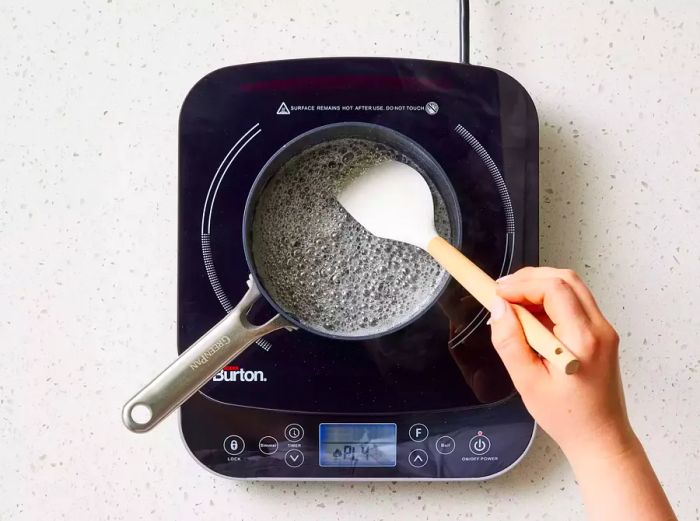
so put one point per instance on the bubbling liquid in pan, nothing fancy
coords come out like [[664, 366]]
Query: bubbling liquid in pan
[[323, 267]]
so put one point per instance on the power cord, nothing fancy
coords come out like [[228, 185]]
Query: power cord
[[464, 31]]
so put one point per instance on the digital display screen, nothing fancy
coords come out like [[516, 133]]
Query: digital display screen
[[357, 445]]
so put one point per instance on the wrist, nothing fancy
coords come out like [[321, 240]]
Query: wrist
[[607, 444], [617, 480]]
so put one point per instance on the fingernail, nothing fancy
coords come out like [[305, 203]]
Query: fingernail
[[505, 278], [498, 308]]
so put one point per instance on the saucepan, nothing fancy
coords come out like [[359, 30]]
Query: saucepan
[[234, 333]]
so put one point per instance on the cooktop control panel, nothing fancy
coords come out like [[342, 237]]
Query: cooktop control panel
[[450, 444]]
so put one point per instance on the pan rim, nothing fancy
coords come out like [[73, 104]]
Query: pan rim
[[435, 172]]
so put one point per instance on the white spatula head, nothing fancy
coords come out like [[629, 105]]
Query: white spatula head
[[393, 201]]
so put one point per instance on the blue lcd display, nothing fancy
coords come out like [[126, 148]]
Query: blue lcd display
[[357, 445]]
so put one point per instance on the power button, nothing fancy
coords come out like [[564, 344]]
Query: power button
[[479, 444]]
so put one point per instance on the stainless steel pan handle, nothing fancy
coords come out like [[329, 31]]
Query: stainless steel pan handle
[[200, 362]]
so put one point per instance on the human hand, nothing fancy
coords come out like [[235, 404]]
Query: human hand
[[582, 412]]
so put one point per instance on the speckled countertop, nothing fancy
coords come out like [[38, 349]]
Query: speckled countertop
[[89, 100]]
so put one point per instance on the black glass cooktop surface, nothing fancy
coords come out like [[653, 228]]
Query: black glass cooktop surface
[[477, 123]]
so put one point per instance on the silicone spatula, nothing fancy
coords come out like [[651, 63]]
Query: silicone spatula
[[393, 201]]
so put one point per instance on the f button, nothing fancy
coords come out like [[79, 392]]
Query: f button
[[418, 432]]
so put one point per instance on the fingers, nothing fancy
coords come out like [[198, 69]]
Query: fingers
[[556, 297], [569, 276], [523, 365], [576, 319]]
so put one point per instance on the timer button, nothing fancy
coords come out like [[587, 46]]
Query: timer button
[[234, 445], [418, 458], [418, 432], [294, 458], [479, 444], [294, 432], [268, 445]]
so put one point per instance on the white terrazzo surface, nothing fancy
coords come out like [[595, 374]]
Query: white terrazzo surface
[[89, 100]]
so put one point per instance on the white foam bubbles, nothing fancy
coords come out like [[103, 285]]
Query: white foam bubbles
[[322, 266]]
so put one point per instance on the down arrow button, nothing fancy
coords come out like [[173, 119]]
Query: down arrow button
[[294, 458]]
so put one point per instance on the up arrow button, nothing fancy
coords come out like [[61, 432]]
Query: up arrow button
[[418, 458]]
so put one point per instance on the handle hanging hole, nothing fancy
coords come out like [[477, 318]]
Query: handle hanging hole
[[558, 351], [141, 413]]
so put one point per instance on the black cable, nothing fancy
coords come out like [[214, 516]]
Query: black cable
[[464, 31]]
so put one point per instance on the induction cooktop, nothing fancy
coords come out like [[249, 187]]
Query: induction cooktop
[[430, 401]]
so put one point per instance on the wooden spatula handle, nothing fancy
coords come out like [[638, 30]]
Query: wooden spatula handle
[[483, 288]]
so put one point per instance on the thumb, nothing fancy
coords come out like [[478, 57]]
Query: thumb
[[522, 363]]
